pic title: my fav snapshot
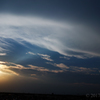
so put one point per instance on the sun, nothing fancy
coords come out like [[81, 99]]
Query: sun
[[2, 69], [1, 72], [4, 76]]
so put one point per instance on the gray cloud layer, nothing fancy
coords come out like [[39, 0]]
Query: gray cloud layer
[[69, 39]]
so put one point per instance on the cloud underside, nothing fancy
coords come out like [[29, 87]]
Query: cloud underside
[[68, 39], [10, 68], [43, 56]]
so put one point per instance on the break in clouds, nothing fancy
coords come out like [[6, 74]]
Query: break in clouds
[[69, 39]]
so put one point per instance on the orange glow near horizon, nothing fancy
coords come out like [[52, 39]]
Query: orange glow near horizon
[[5, 72], [4, 69]]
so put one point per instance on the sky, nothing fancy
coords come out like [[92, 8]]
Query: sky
[[50, 46]]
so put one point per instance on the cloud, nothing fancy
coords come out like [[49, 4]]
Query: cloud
[[64, 57], [69, 39], [31, 53], [85, 70], [10, 68], [42, 69], [37, 72], [57, 71], [38, 68], [45, 56], [2, 62], [2, 54], [62, 66], [5, 69]]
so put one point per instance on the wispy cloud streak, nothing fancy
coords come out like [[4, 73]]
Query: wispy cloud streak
[[45, 56], [64, 68]]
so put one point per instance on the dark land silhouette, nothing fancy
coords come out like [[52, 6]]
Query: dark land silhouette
[[33, 96]]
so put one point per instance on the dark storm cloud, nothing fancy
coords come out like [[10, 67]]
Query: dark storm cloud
[[80, 10], [35, 7]]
